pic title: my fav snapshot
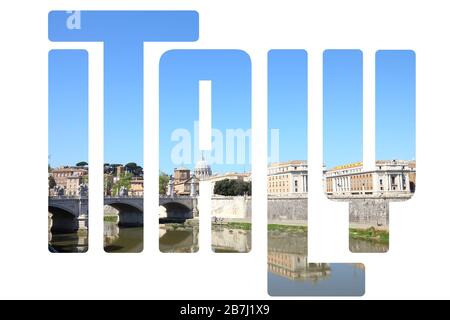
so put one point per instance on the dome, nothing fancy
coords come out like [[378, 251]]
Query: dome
[[202, 169], [202, 164]]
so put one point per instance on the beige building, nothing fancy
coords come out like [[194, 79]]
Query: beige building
[[181, 181], [290, 177], [388, 177], [137, 187], [412, 176], [61, 174], [69, 178], [295, 266], [185, 183], [73, 184], [119, 170]]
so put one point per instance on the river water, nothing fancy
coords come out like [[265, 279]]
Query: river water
[[178, 238], [289, 272]]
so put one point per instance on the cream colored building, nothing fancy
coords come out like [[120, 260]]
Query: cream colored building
[[69, 178], [72, 185], [63, 173], [137, 187], [390, 177], [181, 181], [187, 184], [290, 177]]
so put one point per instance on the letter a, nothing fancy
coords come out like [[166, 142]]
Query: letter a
[[74, 20]]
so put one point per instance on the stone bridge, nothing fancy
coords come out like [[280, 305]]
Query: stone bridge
[[67, 214], [71, 213]]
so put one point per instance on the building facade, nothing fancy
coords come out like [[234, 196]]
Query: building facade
[[137, 187], [181, 182], [390, 177], [290, 177], [202, 170], [187, 184], [73, 185], [63, 173], [69, 179]]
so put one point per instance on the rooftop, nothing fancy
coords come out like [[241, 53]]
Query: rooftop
[[287, 163]]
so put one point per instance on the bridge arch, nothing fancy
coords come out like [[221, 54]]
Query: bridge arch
[[129, 214], [177, 210], [62, 220]]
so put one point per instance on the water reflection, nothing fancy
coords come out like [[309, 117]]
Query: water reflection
[[173, 237], [122, 239], [184, 238], [290, 273], [365, 246], [68, 242], [225, 239], [178, 238]]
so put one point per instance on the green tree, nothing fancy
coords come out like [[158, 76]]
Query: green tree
[[131, 166], [163, 182], [138, 171], [85, 179], [229, 187], [124, 181], [51, 182], [107, 184], [82, 164]]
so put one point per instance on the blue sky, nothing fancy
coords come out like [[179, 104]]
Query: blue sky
[[343, 104], [395, 103], [230, 75], [288, 104], [68, 107], [123, 33], [230, 72]]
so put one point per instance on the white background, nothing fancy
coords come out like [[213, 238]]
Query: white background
[[416, 265]]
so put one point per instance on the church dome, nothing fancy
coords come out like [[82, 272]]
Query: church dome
[[202, 169], [202, 164]]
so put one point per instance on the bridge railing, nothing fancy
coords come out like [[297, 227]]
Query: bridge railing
[[130, 196], [164, 196], [62, 197]]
